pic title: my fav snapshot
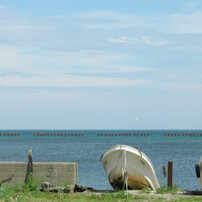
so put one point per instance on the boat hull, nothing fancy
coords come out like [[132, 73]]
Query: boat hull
[[124, 164], [200, 167]]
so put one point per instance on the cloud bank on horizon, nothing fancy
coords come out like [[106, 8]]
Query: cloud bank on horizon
[[70, 65]]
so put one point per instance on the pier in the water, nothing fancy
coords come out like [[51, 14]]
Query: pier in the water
[[123, 134], [57, 134], [184, 134], [9, 134], [44, 134]]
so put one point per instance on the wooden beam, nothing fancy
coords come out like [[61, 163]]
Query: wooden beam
[[30, 162], [170, 174]]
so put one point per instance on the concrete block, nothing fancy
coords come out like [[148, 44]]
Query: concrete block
[[53, 172]]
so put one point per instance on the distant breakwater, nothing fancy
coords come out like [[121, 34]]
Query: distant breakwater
[[40, 134], [9, 134]]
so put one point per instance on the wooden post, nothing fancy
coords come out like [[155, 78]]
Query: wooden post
[[170, 174], [30, 162]]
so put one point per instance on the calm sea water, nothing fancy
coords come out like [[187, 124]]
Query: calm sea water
[[87, 150]]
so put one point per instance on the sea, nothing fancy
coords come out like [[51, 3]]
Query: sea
[[182, 149]]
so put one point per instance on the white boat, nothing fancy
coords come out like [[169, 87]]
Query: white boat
[[129, 168], [198, 168]]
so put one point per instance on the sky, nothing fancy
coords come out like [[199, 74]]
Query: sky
[[110, 64]]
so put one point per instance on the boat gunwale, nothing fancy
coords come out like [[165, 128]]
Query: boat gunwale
[[133, 148]]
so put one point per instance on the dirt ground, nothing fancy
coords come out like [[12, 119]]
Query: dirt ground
[[166, 196]]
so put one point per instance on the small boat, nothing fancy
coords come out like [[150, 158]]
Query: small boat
[[129, 168], [198, 169]]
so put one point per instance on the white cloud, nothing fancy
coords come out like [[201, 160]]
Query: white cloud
[[153, 42], [184, 23], [69, 81], [52, 49], [179, 23], [123, 39], [144, 39]]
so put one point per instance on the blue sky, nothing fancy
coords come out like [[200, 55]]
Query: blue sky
[[100, 64]]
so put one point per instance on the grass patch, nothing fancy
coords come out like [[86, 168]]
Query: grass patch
[[9, 193], [145, 191], [65, 184], [32, 183], [164, 189], [21, 191], [30, 192]]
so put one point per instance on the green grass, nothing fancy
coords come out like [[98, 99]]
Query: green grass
[[30, 192], [19, 194], [65, 184], [164, 189], [145, 191]]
